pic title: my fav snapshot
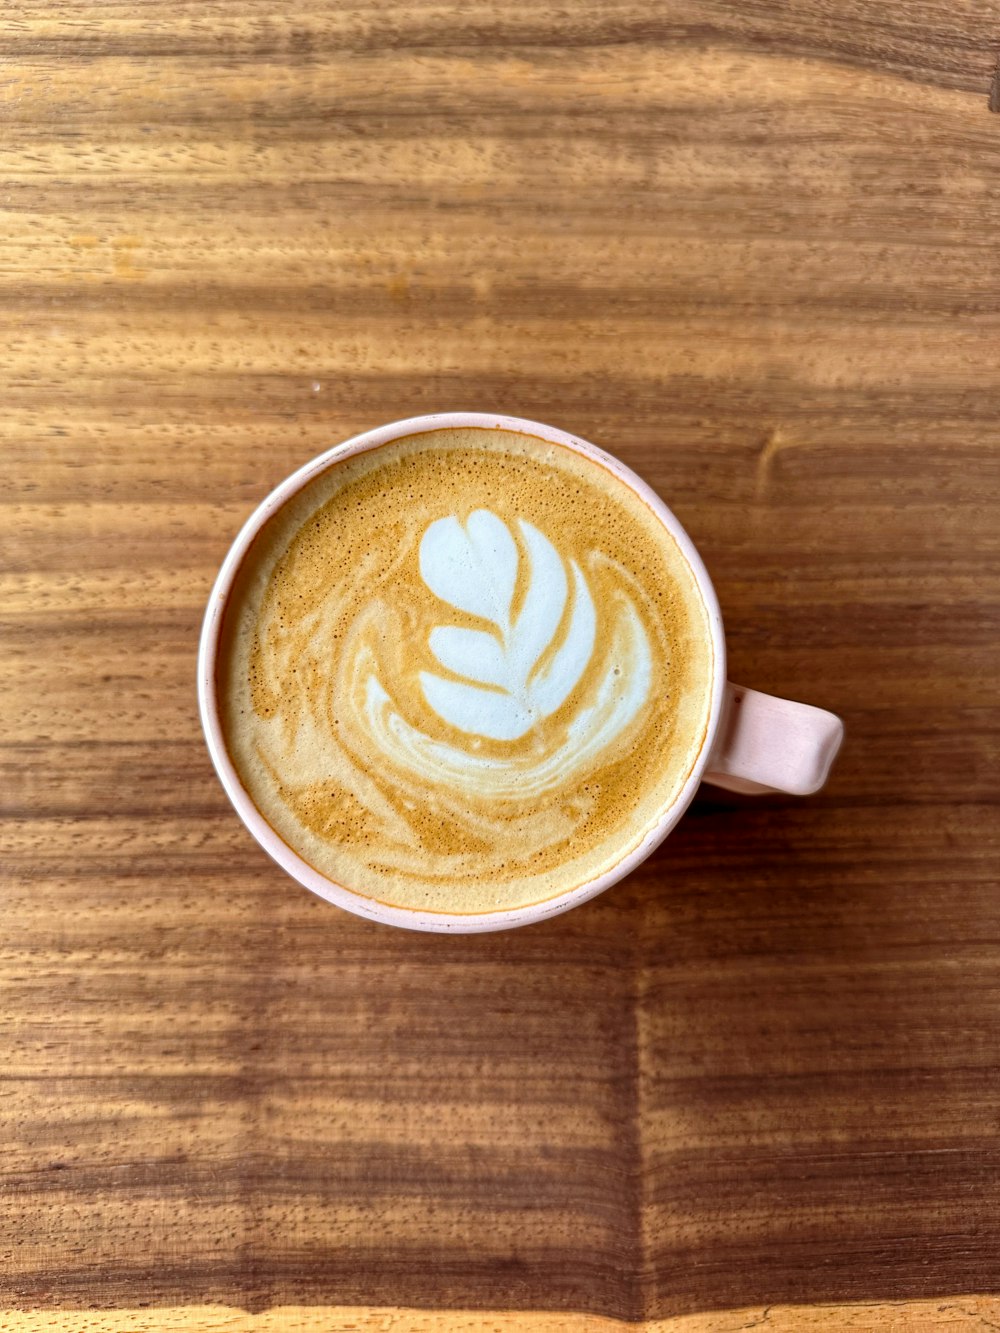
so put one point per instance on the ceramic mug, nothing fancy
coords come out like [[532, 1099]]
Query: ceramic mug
[[754, 742]]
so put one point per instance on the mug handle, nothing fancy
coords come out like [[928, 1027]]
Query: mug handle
[[765, 744]]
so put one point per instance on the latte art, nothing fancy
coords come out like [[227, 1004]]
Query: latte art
[[463, 670], [524, 670], [475, 569]]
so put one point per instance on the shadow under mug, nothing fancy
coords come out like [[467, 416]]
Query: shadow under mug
[[754, 742]]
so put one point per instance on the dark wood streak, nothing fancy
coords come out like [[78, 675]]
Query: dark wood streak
[[753, 250], [917, 39]]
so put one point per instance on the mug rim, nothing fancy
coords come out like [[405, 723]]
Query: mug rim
[[272, 842]]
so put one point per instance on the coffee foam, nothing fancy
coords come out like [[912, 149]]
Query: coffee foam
[[465, 671]]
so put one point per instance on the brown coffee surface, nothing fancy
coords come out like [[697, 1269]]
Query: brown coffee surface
[[465, 737]]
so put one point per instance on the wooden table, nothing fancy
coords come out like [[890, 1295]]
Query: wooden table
[[751, 248]]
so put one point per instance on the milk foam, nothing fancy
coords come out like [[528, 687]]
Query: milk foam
[[474, 568], [465, 669]]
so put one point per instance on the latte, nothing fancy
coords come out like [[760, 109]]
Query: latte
[[465, 671]]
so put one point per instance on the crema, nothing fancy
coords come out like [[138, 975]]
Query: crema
[[465, 671]]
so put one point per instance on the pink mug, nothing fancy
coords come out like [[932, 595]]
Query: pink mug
[[754, 742]]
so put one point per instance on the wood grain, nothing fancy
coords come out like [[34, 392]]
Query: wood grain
[[752, 249], [971, 1314]]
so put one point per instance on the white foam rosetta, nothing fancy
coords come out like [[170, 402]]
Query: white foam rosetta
[[502, 692], [505, 680]]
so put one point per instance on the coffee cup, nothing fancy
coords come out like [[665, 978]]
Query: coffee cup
[[464, 672]]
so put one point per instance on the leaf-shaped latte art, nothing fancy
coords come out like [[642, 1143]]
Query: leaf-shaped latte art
[[503, 693]]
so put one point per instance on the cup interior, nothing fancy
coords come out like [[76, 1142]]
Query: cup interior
[[298, 868]]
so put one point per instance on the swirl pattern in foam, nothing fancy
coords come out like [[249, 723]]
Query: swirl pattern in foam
[[474, 568], [465, 671]]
